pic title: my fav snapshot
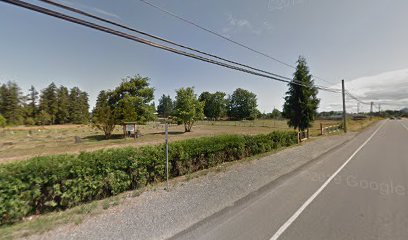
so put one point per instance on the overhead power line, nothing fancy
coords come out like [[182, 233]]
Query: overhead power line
[[153, 36], [141, 40], [81, 12], [223, 37]]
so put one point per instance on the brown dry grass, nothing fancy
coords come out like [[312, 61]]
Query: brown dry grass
[[17, 143]]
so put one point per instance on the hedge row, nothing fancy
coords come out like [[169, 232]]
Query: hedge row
[[44, 184]]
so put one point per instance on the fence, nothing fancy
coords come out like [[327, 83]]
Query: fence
[[324, 130], [303, 135]]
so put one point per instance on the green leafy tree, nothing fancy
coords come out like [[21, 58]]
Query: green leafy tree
[[188, 108], [165, 107], [3, 121], [301, 102], [242, 104], [11, 103], [103, 115], [49, 101], [276, 114], [132, 100], [62, 115], [215, 104]]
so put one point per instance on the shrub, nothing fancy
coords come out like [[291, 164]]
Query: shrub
[[2, 121], [50, 183]]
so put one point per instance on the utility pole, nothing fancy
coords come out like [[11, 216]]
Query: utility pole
[[358, 107], [167, 154], [344, 107], [371, 108]]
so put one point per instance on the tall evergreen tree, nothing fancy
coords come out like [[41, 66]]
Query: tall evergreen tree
[[103, 115], [301, 102], [78, 106], [62, 115], [32, 98], [165, 107], [49, 101], [11, 102], [84, 100]]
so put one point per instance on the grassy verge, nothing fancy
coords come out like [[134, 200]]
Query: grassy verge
[[360, 125]]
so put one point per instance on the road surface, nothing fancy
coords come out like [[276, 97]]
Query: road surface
[[358, 191]]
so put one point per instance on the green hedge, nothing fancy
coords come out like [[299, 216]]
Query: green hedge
[[44, 184]]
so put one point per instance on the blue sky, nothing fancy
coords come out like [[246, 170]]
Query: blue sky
[[363, 42]]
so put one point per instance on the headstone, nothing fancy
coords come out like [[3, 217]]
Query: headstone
[[77, 139]]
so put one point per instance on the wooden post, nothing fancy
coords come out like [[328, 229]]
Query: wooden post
[[298, 137], [321, 128]]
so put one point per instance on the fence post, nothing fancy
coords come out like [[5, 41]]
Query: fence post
[[321, 129], [167, 155]]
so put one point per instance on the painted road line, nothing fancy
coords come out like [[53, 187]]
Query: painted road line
[[282, 229], [404, 126]]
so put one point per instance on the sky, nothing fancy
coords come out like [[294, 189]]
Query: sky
[[363, 42]]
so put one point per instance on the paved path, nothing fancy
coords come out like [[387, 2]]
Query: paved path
[[358, 191]]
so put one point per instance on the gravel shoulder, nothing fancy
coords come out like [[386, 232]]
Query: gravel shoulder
[[160, 214]]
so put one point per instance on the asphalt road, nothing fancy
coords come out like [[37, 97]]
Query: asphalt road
[[358, 191]]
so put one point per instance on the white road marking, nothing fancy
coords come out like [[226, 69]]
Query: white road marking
[[282, 229], [404, 125]]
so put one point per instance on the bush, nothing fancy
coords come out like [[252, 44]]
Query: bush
[[29, 121], [44, 184], [2, 121]]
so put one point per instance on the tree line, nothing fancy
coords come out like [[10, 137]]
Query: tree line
[[52, 105], [132, 101], [241, 104]]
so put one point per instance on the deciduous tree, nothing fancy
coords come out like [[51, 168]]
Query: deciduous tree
[[188, 109], [242, 104], [132, 100], [215, 104]]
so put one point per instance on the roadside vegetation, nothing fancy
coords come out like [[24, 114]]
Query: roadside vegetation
[[51, 183]]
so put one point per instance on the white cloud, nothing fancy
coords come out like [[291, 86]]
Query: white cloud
[[274, 5], [389, 88], [236, 25]]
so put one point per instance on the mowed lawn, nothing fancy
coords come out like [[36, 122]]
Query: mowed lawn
[[17, 143]]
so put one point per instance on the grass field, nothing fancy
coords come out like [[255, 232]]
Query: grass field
[[25, 142]]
